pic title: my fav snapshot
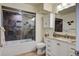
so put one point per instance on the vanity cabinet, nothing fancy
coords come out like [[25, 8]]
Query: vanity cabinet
[[59, 48], [51, 49], [48, 20]]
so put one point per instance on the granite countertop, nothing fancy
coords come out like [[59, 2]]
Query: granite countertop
[[65, 33], [63, 36], [70, 41]]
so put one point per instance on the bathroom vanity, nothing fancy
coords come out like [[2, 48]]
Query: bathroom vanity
[[60, 46]]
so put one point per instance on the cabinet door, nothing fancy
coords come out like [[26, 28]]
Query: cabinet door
[[54, 48], [51, 48], [63, 49], [66, 49], [48, 47], [59, 48]]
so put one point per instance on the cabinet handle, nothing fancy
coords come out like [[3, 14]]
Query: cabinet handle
[[58, 43]]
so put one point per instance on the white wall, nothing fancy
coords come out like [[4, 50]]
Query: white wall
[[77, 38], [39, 27], [47, 7]]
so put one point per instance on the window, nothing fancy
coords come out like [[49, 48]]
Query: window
[[18, 25]]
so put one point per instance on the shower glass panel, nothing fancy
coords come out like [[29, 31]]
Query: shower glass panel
[[19, 25], [28, 28]]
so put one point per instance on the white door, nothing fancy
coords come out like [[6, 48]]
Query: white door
[[54, 48]]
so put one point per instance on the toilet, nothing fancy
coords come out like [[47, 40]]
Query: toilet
[[41, 48]]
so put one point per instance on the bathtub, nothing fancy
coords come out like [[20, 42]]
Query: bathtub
[[12, 48]]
